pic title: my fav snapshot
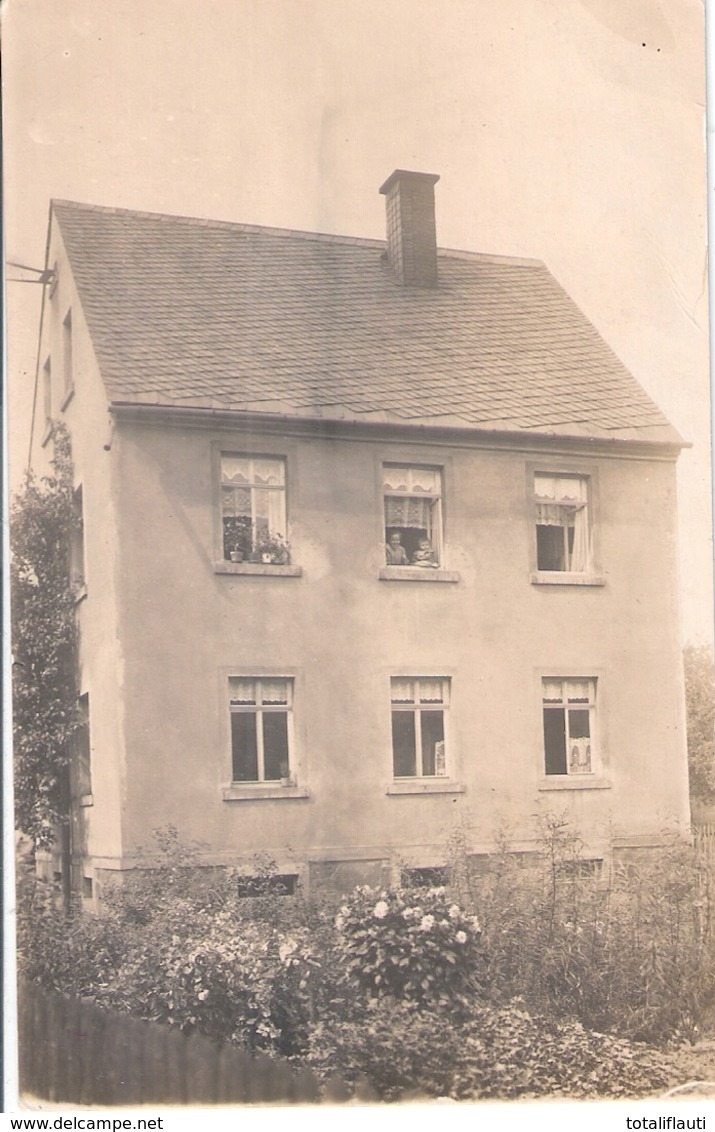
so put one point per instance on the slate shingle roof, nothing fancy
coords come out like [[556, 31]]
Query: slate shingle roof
[[205, 314]]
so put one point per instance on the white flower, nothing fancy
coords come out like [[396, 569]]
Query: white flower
[[380, 910], [409, 913], [339, 923], [476, 926], [286, 948], [461, 937], [455, 912], [426, 923]]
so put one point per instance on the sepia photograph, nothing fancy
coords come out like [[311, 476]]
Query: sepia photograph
[[360, 576]]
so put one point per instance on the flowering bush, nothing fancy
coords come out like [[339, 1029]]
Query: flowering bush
[[417, 946], [233, 980]]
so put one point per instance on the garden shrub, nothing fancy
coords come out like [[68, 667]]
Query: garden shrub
[[414, 945], [230, 979], [396, 987], [496, 1053]]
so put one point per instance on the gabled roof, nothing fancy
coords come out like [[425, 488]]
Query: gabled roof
[[204, 314]]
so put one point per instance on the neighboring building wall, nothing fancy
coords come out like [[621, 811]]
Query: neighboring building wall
[[341, 632], [79, 399]]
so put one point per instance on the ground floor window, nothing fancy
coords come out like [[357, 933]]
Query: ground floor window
[[419, 706], [569, 708], [261, 715]]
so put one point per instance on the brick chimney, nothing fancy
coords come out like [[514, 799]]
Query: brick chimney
[[411, 233]]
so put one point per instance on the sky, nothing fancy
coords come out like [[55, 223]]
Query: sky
[[567, 130]]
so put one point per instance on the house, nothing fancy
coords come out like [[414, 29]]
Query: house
[[378, 540]]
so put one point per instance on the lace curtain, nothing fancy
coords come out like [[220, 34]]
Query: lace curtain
[[245, 691], [407, 509], [424, 691], [567, 691], [254, 489], [562, 501]]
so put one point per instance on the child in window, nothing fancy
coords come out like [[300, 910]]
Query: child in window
[[424, 555], [395, 553]]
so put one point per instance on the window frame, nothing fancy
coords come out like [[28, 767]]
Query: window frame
[[411, 569], [81, 751], [234, 790], [77, 551], [569, 778], [258, 710], [416, 709], [67, 359], [223, 565], [47, 399], [561, 468]]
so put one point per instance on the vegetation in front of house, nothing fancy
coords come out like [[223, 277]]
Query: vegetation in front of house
[[543, 994], [700, 710], [44, 644]]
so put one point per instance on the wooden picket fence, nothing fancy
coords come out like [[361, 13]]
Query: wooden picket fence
[[75, 1051], [704, 840]]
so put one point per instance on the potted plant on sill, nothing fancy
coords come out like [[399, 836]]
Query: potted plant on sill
[[273, 550], [287, 779], [237, 537]]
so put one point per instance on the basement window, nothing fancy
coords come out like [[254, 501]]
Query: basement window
[[277, 884], [569, 710], [584, 868], [432, 877]]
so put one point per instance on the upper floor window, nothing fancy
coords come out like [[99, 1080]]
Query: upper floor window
[[253, 505], [569, 708], [413, 516], [261, 714], [47, 392], [419, 706], [563, 535], [67, 359]]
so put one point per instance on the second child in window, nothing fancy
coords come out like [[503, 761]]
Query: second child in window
[[424, 555]]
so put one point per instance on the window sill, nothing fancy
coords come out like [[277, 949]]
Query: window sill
[[563, 578], [87, 800], [67, 398], [425, 786], [416, 574], [574, 782], [255, 791], [260, 569]]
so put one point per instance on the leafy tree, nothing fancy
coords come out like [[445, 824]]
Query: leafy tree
[[700, 711], [44, 643]]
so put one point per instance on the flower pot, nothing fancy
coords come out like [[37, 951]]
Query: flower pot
[[267, 557], [237, 556], [254, 556]]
